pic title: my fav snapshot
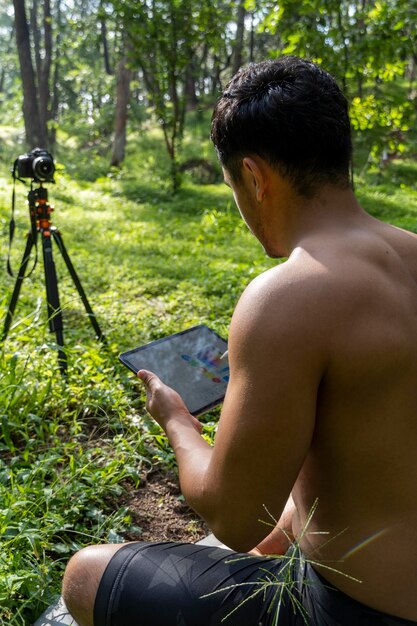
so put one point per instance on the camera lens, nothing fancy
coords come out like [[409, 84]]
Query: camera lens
[[43, 168]]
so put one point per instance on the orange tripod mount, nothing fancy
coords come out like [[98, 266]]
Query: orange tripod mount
[[40, 218]]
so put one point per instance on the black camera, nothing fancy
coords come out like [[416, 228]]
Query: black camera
[[37, 164]]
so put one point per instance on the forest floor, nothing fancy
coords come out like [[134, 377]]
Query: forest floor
[[158, 509]]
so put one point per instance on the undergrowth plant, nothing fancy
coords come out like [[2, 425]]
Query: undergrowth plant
[[64, 458]]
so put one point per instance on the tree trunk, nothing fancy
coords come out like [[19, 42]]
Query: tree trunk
[[341, 28], [124, 76], [252, 38], [411, 73], [35, 135], [189, 88], [36, 36], [237, 55], [10, 47], [106, 56], [216, 84], [53, 111]]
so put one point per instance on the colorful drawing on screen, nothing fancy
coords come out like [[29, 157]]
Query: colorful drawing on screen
[[209, 363]]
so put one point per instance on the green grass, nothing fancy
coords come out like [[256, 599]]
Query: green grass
[[151, 265]]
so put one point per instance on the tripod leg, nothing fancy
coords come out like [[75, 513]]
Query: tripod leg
[[52, 295], [18, 284], [58, 238]]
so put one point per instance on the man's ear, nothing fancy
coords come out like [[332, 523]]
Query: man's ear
[[255, 171]]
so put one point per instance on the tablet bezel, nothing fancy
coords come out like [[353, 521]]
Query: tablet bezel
[[124, 358]]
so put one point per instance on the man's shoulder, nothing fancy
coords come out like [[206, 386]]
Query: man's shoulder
[[292, 297], [299, 281], [282, 317]]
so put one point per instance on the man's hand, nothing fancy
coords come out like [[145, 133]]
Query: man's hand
[[192, 452], [276, 543], [280, 539], [164, 403]]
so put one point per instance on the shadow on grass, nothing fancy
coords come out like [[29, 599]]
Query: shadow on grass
[[190, 200], [384, 204]]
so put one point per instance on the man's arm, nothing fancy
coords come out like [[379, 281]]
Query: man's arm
[[267, 419]]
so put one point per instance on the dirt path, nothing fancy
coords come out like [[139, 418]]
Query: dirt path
[[158, 509]]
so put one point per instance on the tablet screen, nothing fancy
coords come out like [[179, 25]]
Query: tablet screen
[[189, 362]]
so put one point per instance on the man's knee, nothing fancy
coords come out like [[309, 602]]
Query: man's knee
[[82, 578]]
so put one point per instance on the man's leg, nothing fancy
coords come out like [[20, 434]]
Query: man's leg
[[166, 583], [82, 578]]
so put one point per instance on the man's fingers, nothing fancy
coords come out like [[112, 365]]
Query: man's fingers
[[163, 402], [148, 377]]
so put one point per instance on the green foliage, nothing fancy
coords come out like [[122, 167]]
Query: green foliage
[[354, 42], [63, 459], [166, 39], [180, 54], [382, 127], [9, 75]]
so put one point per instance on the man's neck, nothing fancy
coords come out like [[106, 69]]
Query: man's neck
[[332, 209]]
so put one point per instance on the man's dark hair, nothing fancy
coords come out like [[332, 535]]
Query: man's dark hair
[[291, 113]]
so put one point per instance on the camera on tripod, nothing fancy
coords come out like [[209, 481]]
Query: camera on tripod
[[37, 164]]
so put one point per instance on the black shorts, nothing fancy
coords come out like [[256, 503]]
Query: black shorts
[[175, 584]]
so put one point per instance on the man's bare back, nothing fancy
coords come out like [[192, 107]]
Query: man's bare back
[[362, 463]]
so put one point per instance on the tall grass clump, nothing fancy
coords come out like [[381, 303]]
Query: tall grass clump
[[282, 589]]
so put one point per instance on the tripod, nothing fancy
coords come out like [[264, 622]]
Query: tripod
[[40, 217]]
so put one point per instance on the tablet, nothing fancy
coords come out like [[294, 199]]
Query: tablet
[[190, 362]]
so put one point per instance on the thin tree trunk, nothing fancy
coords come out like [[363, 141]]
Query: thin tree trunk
[[412, 73], [190, 91], [53, 111], [106, 56], [9, 49], [216, 84], [252, 38], [340, 25], [36, 36], [45, 68], [124, 76], [237, 56], [361, 29]]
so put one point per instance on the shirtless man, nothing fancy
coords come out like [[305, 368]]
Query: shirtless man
[[321, 401]]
